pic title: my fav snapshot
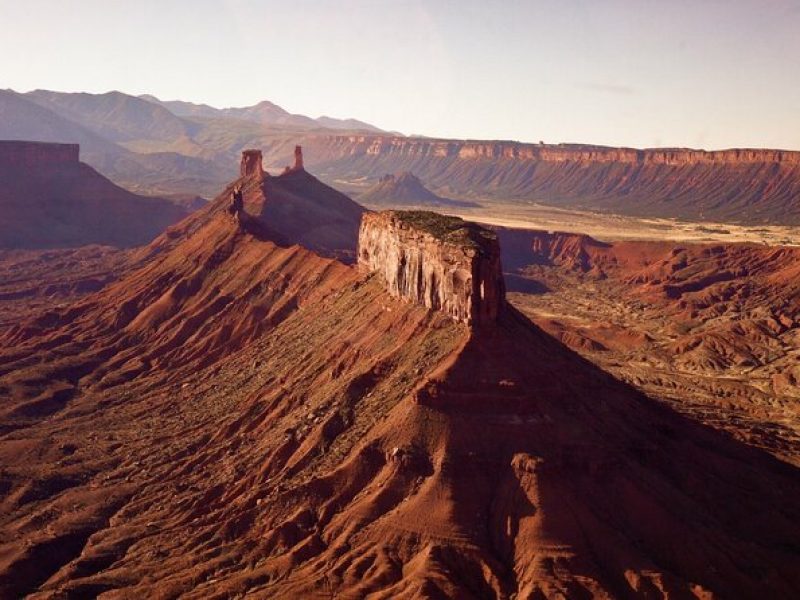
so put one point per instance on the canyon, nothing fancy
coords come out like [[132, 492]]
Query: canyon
[[238, 414], [710, 329]]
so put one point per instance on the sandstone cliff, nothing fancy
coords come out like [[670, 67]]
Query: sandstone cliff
[[740, 185], [251, 163], [236, 417], [37, 154], [48, 199], [441, 262]]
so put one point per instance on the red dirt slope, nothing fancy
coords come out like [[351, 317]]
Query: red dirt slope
[[237, 417], [713, 329]]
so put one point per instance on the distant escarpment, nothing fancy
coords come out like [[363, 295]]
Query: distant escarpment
[[37, 155], [755, 186], [48, 199], [441, 262]]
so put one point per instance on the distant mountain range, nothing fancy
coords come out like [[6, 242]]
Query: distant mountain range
[[175, 147], [152, 146], [264, 113]]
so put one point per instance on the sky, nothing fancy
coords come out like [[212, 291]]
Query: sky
[[642, 73]]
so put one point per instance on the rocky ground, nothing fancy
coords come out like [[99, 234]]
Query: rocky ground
[[712, 330], [234, 416], [34, 281]]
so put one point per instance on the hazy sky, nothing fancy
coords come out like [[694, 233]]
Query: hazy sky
[[701, 73]]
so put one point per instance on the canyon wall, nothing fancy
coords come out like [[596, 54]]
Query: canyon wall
[[741, 185], [49, 199], [33, 154], [377, 145], [443, 263]]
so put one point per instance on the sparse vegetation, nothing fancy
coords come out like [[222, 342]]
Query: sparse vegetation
[[454, 230]]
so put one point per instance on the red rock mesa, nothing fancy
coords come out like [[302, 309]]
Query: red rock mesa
[[440, 262], [32, 154]]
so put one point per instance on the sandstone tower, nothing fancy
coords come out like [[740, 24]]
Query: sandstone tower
[[298, 159], [251, 163]]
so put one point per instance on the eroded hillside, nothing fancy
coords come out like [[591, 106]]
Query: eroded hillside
[[240, 417], [712, 329]]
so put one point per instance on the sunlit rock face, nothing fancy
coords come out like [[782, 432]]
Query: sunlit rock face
[[443, 263]]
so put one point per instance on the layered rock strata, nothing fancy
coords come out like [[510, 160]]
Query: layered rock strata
[[382, 145], [443, 263], [739, 185]]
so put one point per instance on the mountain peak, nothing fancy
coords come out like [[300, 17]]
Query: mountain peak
[[406, 189]]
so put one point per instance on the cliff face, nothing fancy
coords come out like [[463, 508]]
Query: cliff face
[[379, 145], [48, 199], [742, 185], [265, 420], [251, 163], [443, 263], [37, 154]]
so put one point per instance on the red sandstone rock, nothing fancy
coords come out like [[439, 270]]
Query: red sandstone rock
[[440, 262], [298, 158], [297, 208], [37, 154], [48, 199], [251, 164], [237, 418], [741, 185]]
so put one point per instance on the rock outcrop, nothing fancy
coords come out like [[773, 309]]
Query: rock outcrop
[[383, 145], [251, 163], [441, 262], [239, 418], [298, 158], [294, 207], [236, 417]]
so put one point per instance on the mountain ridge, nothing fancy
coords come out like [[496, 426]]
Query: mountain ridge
[[264, 112], [753, 186], [738, 185]]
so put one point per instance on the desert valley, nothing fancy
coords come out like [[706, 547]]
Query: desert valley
[[250, 353]]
